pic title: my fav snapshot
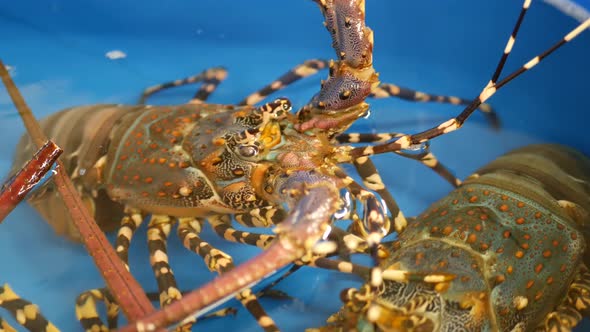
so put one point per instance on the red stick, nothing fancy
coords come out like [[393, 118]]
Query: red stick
[[16, 188]]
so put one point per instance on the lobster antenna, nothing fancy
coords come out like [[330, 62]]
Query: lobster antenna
[[510, 43], [534, 61], [491, 88]]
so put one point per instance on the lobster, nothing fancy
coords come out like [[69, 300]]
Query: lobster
[[506, 251], [247, 165]]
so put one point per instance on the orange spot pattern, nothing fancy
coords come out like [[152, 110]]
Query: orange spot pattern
[[520, 243], [152, 159]]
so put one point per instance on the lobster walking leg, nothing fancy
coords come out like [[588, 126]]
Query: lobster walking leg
[[223, 228], [5, 327], [25, 313], [86, 310], [427, 159], [383, 90], [217, 260], [307, 68], [157, 236], [212, 77], [87, 313], [388, 90], [129, 224], [209, 78], [574, 307]]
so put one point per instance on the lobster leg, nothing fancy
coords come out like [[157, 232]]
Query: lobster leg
[[383, 90], [428, 159], [575, 306], [5, 327], [157, 235], [387, 90], [210, 79], [87, 313], [222, 226], [86, 310], [217, 260], [25, 313], [260, 217], [307, 68]]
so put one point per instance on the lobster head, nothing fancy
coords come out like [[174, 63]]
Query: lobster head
[[341, 98]]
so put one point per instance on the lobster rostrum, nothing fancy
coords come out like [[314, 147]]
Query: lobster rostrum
[[506, 251], [183, 164]]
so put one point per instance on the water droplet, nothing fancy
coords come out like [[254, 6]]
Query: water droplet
[[327, 232], [344, 211], [384, 207], [423, 147], [82, 171]]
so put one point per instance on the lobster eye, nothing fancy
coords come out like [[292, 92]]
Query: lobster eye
[[286, 105], [247, 151], [345, 94]]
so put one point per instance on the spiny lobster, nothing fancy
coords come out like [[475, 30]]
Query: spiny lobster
[[339, 103], [506, 251]]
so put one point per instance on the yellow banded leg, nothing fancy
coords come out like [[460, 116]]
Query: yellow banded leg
[[383, 90], [222, 226], [575, 306], [426, 158], [129, 224], [260, 217], [210, 79], [309, 67], [86, 310], [578, 295], [429, 160], [157, 235], [388, 90], [87, 314], [26, 313], [5, 327], [217, 260]]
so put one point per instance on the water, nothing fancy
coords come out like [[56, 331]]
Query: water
[[58, 54]]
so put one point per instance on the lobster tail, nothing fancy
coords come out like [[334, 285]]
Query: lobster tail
[[563, 173], [554, 176], [84, 135]]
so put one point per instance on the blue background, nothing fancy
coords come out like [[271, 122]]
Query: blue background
[[57, 52]]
